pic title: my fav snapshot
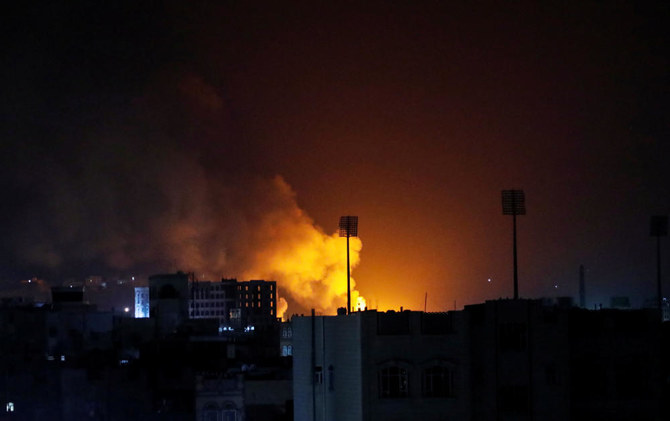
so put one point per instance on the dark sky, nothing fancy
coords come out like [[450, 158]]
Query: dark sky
[[144, 137]]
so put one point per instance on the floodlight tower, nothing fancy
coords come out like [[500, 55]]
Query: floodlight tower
[[513, 203], [658, 229], [348, 228]]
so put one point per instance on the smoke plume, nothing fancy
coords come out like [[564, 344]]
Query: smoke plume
[[167, 184]]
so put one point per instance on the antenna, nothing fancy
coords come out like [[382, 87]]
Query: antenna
[[513, 203], [348, 228], [582, 287]]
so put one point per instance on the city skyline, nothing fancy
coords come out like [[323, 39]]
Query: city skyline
[[229, 139]]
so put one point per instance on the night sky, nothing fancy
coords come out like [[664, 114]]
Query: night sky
[[227, 138]]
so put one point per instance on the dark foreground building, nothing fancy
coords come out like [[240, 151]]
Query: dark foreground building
[[500, 360]]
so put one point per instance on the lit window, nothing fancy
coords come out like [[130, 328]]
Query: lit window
[[393, 382]]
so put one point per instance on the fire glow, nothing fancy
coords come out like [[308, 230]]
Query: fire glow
[[310, 266]]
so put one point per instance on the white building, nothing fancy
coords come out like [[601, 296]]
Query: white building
[[380, 366]]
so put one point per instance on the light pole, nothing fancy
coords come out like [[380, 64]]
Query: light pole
[[659, 228], [513, 203], [348, 228]]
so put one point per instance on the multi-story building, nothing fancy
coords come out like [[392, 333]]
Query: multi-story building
[[168, 301], [213, 300], [257, 301], [235, 304], [503, 360], [141, 302], [286, 339], [380, 366], [519, 360]]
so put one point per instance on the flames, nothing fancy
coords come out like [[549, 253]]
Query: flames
[[310, 266], [360, 303]]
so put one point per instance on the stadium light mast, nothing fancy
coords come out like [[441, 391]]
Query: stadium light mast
[[659, 228], [513, 203], [348, 228]]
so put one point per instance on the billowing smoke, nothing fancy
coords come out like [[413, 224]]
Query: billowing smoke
[[163, 186]]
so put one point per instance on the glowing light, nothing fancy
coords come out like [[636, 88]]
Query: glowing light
[[126, 309], [360, 303], [9, 407], [489, 280], [308, 264]]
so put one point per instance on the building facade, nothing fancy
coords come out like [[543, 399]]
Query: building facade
[[380, 366], [502, 360]]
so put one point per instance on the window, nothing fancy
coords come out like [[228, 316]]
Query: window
[[331, 378], [438, 382], [318, 375], [436, 323], [552, 375], [514, 399], [393, 323], [210, 412], [512, 336], [229, 412], [393, 382]]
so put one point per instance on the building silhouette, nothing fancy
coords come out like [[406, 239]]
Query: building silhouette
[[499, 360]]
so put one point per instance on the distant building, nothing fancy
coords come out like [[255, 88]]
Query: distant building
[[168, 301], [286, 339], [213, 300], [236, 305], [142, 302], [257, 301]]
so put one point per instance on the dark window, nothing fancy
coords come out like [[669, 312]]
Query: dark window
[[436, 323], [438, 382], [210, 413], [168, 292], [514, 399], [393, 323], [318, 375], [331, 378], [551, 373], [393, 382], [512, 336]]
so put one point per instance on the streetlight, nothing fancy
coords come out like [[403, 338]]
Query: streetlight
[[513, 203], [348, 228], [659, 228]]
